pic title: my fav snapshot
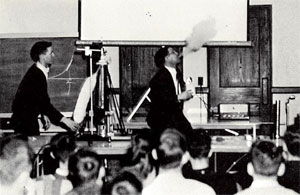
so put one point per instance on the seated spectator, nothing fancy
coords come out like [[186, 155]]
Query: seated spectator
[[16, 158], [62, 145], [126, 183], [199, 147], [266, 163], [171, 155], [140, 161], [86, 173], [291, 177]]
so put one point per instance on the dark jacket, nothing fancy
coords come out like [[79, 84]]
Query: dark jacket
[[222, 183], [291, 177], [165, 109], [31, 100]]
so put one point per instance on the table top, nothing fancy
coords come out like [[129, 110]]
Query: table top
[[230, 144], [115, 147], [213, 123]]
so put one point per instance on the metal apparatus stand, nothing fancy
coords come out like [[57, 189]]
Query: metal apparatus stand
[[104, 106]]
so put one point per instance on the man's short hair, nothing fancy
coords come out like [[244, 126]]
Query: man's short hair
[[199, 144], [159, 57], [126, 183], [266, 158], [38, 48], [292, 141], [141, 145], [63, 145], [84, 166], [16, 156], [172, 146]]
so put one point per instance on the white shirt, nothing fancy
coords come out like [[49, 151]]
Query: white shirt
[[43, 69], [173, 72], [173, 183], [265, 187]]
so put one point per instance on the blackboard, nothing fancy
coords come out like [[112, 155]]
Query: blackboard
[[15, 61]]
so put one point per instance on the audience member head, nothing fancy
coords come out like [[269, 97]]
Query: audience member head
[[266, 159], [199, 145], [171, 149], [16, 157], [141, 145], [84, 167], [62, 146], [292, 141], [126, 183], [141, 162], [39, 48]]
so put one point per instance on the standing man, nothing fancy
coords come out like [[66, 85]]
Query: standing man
[[168, 94], [32, 97]]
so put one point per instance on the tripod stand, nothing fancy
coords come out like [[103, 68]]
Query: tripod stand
[[103, 105]]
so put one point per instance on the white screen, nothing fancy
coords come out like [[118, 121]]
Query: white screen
[[38, 18], [163, 20]]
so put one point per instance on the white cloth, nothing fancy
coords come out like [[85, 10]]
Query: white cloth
[[84, 97], [173, 73], [265, 187], [45, 185], [43, 69], [170, 183]]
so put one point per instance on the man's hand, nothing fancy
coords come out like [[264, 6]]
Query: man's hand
[[70, 123], [46, 122], [186, 95]]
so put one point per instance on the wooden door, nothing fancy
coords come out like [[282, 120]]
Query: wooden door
[[243, 75], [137, 67]]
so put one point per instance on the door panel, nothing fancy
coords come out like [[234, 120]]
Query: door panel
[[137, 67], [243, 75]]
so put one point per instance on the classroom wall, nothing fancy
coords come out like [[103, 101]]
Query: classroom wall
[[285, 43], [285, 52], [285, 60]]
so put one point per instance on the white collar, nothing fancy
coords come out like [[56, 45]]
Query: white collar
[[172, 70], [263, 183], [43, 69], [62, 172], [173, 74]]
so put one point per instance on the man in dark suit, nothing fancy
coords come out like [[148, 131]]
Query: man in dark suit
[[32, 97], [167, 94]]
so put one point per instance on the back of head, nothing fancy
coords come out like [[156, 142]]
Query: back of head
[[39, 48], [292, 141], [62, 146], [172, 146], [159, 57], [199, 144], [141, 145], [126, 183], [266, 158], [84, 166], [15, 158]]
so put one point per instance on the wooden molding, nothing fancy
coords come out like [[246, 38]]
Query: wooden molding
[[142, 43], [228, 44], [285, 90]]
